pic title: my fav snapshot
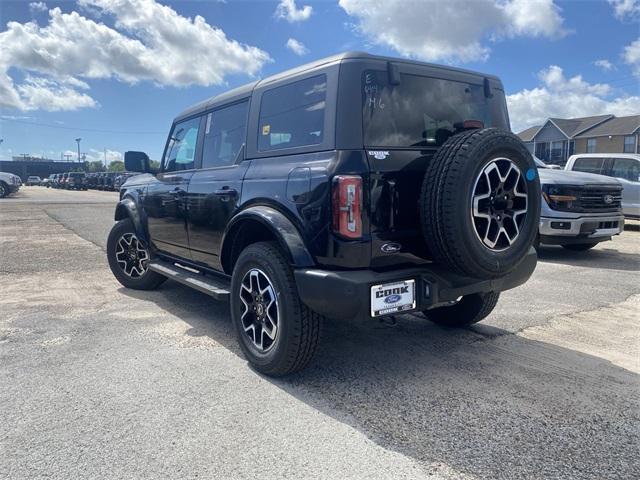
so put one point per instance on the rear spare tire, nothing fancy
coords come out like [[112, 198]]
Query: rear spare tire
[[480, 203]]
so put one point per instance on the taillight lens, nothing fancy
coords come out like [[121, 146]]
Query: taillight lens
[[347, 205]]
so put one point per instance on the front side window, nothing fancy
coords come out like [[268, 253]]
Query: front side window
[[181, 149], [589, 165], [627, 168], [224, 135], [423, 111], [293, 115], [591, 145], [630, 144]]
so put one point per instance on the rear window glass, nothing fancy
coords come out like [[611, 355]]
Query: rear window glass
[[589, 165], [293, 115], [424, 111]]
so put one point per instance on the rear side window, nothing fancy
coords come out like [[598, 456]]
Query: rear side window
[[626, 168], [293, 115], [589, 165], [424, 111], [224, 135], [181, 149]]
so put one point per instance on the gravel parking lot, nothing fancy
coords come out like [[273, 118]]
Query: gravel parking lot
[[101, 382]]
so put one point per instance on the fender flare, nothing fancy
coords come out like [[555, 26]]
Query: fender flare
[[128, 208], [278, 224]]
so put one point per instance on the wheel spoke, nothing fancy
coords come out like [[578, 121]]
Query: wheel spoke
[[131, 256], [259, 309], [499, 204]]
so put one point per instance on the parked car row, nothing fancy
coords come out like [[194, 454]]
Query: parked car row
[[67, 181], [110, 181]]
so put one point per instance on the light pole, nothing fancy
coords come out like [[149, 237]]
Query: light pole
[[78, 142]]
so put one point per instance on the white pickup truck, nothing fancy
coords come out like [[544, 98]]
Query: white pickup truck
[[578, 210], [9, 183]]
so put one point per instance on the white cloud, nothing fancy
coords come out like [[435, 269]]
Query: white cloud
[[604, 64], [90, 155], [288, 10], [631, 56], [455, 30], [150, 42], [94, 155], [39, 93], [626, 9], [536, 18], [38, 7], [559, 96], [297, 47]]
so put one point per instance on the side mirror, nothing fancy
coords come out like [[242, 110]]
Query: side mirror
[[137, 162]]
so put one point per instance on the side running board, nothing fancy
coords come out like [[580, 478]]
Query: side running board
[[217, 287]]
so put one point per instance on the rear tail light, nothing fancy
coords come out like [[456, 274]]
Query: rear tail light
[[347, 205]]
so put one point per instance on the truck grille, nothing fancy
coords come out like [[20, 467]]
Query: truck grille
[[597, 198]]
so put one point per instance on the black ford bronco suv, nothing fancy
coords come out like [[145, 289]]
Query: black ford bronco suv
[[350, 188]]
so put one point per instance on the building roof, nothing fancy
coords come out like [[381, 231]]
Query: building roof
[[528, 134], [615, 126], [573, 126]]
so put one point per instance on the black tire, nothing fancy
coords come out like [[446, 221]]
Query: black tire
[[469, 310], [579, 247], [536, 243], [298, 327], [447, 195], [4, 189], [148, 280]]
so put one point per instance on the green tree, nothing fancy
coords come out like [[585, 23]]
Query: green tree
[[116, 166], [95, 166]]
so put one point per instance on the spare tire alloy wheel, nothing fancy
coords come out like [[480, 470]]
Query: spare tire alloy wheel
[[259, 311], [131, 256], [499, 204], [480, 203]]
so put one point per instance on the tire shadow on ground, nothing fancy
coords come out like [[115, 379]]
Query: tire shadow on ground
[[483, 401]]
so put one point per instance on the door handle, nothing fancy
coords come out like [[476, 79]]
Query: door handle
[[226, 192], [177, 192]]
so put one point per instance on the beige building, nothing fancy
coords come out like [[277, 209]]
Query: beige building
[[617, 135], [558, 138]]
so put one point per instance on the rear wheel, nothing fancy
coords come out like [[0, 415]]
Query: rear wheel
[[4, 190], [579, 247], [277, 332], [129, 258], [468, 310]]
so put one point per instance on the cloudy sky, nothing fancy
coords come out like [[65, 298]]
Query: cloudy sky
[[115, 72]]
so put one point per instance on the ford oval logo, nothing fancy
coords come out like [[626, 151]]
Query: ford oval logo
[[392, 299], [391, 247]]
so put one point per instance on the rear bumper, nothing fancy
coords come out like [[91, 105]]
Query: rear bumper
[[557, 229], [345, 295]]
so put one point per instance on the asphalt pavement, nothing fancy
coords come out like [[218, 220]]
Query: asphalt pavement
[[97, 381]]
